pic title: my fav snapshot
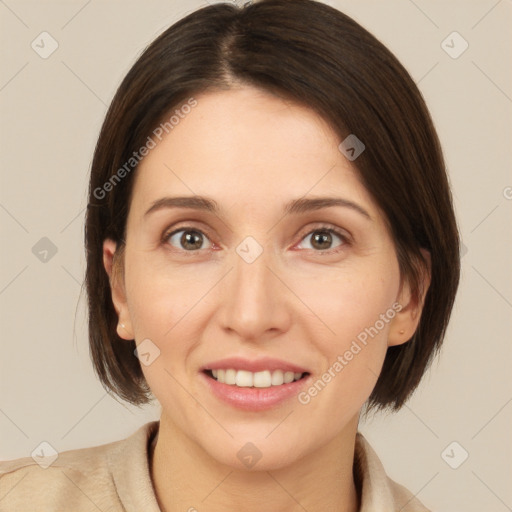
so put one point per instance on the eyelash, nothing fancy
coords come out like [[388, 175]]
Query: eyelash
[[323, 227]]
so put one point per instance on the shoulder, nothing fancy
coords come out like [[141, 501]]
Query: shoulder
[[77, 480], [377, 490], [73, 478]]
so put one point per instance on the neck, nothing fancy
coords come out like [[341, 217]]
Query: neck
[[187, 478]]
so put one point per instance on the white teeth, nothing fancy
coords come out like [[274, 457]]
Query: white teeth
[[243, 379], [262, 379], [230, 377], [246, 379], [288, 377], [277, 378]]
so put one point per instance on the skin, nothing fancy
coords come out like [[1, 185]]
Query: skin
[[252, 152]]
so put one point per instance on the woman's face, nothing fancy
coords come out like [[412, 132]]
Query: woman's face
[[258, 280]]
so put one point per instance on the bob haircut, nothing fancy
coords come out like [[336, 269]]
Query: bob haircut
[[312, 54]]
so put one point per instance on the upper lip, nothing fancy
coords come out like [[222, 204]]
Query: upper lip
[[254, 365]]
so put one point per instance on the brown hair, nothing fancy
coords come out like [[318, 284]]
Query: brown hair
[[316, 56]]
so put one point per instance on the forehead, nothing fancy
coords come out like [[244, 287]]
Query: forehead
[[247, 145]]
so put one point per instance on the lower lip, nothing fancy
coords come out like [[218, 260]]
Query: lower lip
[[254, 399]]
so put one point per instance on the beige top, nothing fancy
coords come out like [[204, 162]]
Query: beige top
[[115, 477]]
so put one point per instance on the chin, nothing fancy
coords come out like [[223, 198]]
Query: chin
[[258, 454]]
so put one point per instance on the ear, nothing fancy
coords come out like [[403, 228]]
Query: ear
[[114, 266], [404, 324]]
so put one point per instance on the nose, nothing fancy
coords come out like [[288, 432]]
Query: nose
[[256, 304]]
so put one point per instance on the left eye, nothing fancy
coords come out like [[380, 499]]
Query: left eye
[[324, 236]]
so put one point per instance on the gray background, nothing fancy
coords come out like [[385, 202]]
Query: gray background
[[51, 112]]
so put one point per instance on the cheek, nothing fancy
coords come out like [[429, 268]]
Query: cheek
[[161, 308], [358, 312], [161, 296], [348, 301], [166, 306], [356, 309]]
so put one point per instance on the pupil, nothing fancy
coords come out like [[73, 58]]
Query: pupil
[[320, 238], [187, 240]]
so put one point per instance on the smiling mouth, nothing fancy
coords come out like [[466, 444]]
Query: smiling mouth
[[246, 379]]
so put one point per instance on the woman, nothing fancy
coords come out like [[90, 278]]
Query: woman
[[271, 246]]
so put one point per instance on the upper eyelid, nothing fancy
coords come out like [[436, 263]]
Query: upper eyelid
[[168, 232]]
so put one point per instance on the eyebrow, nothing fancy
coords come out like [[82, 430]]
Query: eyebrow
[[296, 206]]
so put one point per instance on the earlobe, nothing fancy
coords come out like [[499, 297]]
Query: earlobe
[[112, 264], [403, 325], [406, 321]]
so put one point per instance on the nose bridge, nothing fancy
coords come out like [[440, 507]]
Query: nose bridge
[[254, 302]]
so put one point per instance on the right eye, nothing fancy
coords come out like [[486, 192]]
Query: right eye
[[187, 239]]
